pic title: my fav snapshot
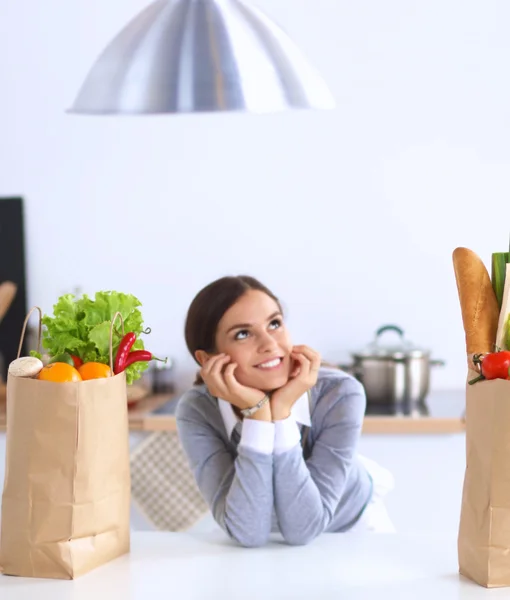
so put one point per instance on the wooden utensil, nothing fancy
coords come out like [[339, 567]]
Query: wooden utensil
[[8, 291]]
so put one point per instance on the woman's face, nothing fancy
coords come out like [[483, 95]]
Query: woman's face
[[253, 334]]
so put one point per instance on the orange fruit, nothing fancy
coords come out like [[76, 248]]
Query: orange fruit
[[94, 370], [59, 372]]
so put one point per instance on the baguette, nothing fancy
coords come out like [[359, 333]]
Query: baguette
[[479, 305]]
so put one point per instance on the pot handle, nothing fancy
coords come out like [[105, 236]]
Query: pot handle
[[384, 328], [437, 363], [351, 369]]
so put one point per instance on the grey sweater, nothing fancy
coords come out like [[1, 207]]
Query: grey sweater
[[298, 492]]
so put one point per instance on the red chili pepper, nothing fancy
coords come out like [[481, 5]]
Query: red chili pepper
[[77, 361], [141, 356], [123, 352]]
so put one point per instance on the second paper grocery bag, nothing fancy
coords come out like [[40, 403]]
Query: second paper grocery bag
[[484, 529], [484, 532]]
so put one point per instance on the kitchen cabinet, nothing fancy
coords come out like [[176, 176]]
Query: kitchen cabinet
[[428, 471]]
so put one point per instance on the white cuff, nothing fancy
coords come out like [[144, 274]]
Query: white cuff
[[257, 435], [287, 434]]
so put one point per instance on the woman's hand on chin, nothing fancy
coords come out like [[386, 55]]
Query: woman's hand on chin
[[218, 376], [303, 376]]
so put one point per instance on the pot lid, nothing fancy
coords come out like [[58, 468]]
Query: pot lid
[[397, 348]]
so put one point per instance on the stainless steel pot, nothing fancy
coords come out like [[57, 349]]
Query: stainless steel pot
[[396, 376]]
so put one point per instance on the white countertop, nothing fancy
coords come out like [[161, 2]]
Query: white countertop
[[348, 566]]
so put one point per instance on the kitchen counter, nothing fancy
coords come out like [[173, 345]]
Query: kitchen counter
[[446, 410], [351, 566], [138, 413], [446, 407]]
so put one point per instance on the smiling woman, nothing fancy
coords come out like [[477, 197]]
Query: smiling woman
[[270, 435]]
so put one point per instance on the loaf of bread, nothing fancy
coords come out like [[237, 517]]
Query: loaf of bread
[[479, 306]]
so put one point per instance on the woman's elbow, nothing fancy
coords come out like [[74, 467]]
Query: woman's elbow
[[299, 538], [250, 540], [247, 538], [254, 542], [297, 532]]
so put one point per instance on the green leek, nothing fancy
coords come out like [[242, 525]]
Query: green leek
[[499, 261]]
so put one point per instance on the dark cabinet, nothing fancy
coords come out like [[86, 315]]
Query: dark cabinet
[[12, 268]]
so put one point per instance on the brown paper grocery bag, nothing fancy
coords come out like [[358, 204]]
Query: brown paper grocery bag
[[66, 497], [484, 530]]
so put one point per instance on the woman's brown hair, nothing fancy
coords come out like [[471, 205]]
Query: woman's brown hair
[[209, 306]]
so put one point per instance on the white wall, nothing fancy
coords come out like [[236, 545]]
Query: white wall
[[351, 215]]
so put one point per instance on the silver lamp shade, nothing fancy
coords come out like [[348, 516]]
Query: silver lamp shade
[[182, 56]]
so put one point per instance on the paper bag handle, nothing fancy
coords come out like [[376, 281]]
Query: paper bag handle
[[25, 327], [117, 314], [39, 335]]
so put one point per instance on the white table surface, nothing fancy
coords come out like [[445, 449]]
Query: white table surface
[[182, 566]]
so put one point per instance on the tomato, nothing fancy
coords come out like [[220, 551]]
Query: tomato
[[94, 370], [59, 372], [496, 365], [77, 361]]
